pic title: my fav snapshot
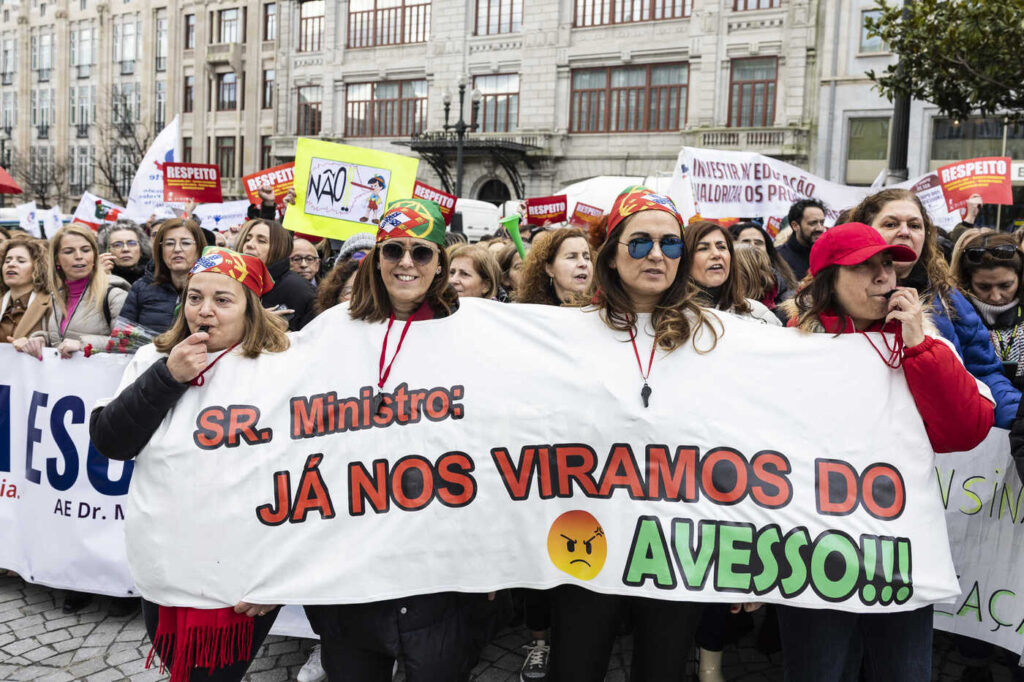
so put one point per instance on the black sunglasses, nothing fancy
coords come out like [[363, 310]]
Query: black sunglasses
[[671, 247], [976, 254], [393, 252]]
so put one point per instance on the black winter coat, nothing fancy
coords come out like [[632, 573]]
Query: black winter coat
[[796, 255], [291, 291], [151, 305], [123, 427]]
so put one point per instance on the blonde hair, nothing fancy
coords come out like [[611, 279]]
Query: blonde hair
[[98, 280], [483, 262], [263, 330], [754, 274]]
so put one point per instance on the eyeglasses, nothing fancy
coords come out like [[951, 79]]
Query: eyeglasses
[[976, 254], [671, 247], [299, 260], [394, 252], [172, 244], [131, 244]]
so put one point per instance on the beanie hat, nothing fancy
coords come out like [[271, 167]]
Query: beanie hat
[[360, 241]]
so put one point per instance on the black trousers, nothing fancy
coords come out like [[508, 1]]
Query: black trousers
[[583, 628], [232, 673], [360, 642]]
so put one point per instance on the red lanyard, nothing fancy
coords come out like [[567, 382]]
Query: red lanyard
[[383, 373], [895, 359], [200, 379], [645, 392]]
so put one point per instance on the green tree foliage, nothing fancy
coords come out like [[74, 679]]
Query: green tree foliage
[[963, 56]]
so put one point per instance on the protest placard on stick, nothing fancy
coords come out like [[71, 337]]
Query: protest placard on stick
[[197, 181], [279, 178]]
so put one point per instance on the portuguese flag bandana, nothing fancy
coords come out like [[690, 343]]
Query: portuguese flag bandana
[[418, 218], [638, 198], [250, 271]]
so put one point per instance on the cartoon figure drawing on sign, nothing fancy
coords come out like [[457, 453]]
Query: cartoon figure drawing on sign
[[376, 185]]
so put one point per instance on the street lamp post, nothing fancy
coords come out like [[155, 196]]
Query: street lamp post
[[460, 127], [5, 134]]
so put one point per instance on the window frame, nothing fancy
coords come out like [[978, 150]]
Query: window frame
[[767, 122], [190, 32], [269, 29], [485, 14], [374, 105], [772, 4], [481, 117], [267, 91], [311, 30], [221, 149], [365, 28], [222, 88], [309, 111], [609, 91], [593, 13]]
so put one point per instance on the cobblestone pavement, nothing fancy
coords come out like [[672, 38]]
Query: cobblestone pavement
[[39, 642]]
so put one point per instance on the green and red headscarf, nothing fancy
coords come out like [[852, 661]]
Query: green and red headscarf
[[417, 218], [637, 198], [249, 271]]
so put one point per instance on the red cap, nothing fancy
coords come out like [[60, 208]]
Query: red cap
[[852, 244]]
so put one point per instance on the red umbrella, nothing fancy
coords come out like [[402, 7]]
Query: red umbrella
[[7, 183]]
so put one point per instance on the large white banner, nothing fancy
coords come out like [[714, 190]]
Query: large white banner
[[41, 432], [275, 483]]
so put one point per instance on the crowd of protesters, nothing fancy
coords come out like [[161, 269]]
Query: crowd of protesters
[[958, 322]]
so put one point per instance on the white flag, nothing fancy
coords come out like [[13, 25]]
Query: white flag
[[147, 190], [50, 221], [28, 218], [94, 211]]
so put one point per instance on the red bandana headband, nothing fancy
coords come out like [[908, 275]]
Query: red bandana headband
[[637, 198], [250, 271]]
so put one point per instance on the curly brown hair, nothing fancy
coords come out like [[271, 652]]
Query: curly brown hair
[[537, 286], [331, 285], [37, 254], [676, 317], [939, 278]]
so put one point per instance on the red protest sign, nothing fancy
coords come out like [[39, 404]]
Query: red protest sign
[[197, 181], [988, 177], [546, 210], [585, 215], [444, 200], [279, 178]]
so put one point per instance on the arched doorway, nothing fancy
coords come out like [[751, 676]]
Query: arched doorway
[[494, 191]]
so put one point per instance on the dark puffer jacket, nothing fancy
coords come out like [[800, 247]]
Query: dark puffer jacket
[[291, 291], [151, 305]]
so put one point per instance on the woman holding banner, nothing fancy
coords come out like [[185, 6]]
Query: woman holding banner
[[642, 297], [900, 218], [272, 244], [24, 288], [221, 314], [852, 288], [403, 279]]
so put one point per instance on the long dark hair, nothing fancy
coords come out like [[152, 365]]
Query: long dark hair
[[732, 298], [817, 296], [676, 317], [779, 263], [370, 300]]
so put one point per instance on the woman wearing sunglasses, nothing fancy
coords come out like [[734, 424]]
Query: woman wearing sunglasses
[[403, 279], [900, 218], [642, 297], [988, 266], [711, 272]]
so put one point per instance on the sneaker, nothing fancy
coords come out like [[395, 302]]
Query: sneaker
[[535, 667], [313, 670]]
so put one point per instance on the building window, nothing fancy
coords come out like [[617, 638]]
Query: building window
[[867, 149], [387, 22], [266, 161], [743, 5], [389, 109], [499, 102], [42, 49], [752, 92], [227, 91], [126, 44], [268, 88], [186, 150], [309, 113], [125, 104], [190, 31], [973, 138], [83, 50], [160, 106], [629, 99], [9, 60], [311, 25], [270, 21], [603, 12], [498, 16], [161, 40], [189, 94], [870, 44], [227, 26], [225, 156]]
